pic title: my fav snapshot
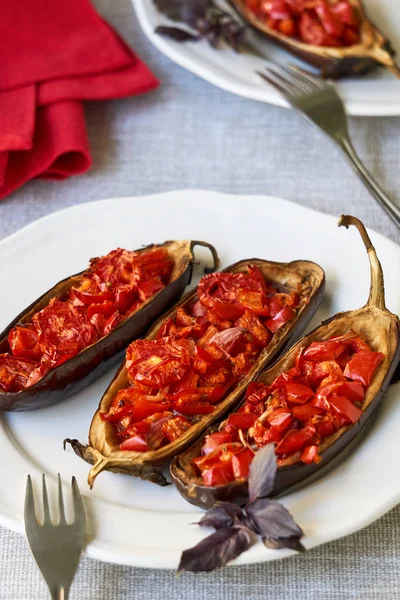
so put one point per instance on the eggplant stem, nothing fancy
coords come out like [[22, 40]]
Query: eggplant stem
[[213, 252], [377, 287], [395, 69]]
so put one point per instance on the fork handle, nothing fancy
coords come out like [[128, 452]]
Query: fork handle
[[59, 593], [387, 204]]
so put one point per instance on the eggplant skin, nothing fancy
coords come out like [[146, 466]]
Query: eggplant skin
[[103, 450], [91, 363], [372, 50], [294, 476]]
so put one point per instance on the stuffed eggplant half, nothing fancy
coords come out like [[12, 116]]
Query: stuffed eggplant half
[[77, 330], [314, 403], [195, 363], [334, 35]]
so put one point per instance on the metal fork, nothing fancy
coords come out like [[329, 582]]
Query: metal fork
[[56, 548], [318, 101]]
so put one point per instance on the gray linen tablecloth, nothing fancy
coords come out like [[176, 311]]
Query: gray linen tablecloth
[[190, 134]]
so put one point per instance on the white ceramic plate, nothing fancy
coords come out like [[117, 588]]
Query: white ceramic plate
[[138, 523], [375, 94]]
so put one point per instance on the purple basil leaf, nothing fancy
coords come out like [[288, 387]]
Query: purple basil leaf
[[291, 543], [273, 520], [182, 10], [217, 549], [222, 515], [194, 12], [176, 34], [262, 473]]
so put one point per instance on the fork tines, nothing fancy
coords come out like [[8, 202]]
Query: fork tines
[[30, 511], [292, 80]]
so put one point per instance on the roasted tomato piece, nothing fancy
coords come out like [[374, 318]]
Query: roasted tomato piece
[[125, 296], [15, 372], [158, 362], [23, 340], [64, 330], [111, 323], [149, 288], [105, 308]]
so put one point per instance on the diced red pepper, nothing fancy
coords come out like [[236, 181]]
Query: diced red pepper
[[353, 390], [241, 463], [214, 440], [295, 440], [345, 13], [254, 301], [218, 475], [363, 366], [328, 368], [193, 408], [310, 455], [325, 427], [285, 315], [242, 420], [288, 27], [175, 427], [350, 36], [345, 407], [280, 419], [321, 351], [232, 312], [330, 22], [142, 409], [297, 393], [305, 412]]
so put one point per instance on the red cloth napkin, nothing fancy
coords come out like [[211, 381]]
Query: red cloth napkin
[[58, 54]]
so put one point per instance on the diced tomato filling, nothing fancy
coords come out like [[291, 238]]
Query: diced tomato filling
[[199, 354], [302, 407], [111, 289], [317, 22]]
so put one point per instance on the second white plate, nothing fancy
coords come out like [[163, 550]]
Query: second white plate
[[135, 522], [377, 94]]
